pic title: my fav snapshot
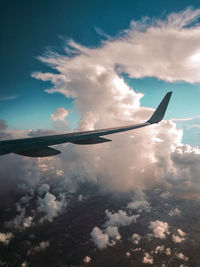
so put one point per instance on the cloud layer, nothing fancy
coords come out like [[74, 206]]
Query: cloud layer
[[166, 49]]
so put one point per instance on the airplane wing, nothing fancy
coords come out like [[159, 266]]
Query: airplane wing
[[40, 146]]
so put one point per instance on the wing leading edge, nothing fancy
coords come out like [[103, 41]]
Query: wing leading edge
[[39, 146]]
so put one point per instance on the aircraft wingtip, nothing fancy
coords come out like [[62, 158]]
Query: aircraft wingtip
[[161, 109]]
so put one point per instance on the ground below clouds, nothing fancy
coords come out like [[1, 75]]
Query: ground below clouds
[[67, 240]]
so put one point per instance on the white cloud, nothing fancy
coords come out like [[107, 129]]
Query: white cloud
[[177, 238], [166, 195], [168, 251], [135, 238], [19, 220], [60, 115], [24, 264], [182, 256], [27, 222], [159, 249], [137, 249], [143, 42], [103, 99], [5, 238], [110, 234], [112, 231], [50, 206], [119, 218], [159, 228], [42, 246], [100, 239], [44, 188], [148, 258], [87, 259], [174, 212], [139, 202], [59, 118], [181, 233]]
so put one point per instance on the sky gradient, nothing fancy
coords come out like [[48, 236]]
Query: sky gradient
[[33, 29]]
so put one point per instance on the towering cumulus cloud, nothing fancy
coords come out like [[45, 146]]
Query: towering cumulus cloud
[[92, 76]]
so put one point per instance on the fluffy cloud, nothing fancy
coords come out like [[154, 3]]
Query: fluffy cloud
[[180, 237], [50, 206], [42, 246], [139, 202], [175, 211], [148, 258], [159, 228], [101, 96], [181, 233], [100, 239], [177, 238], [141, 158], [119, 218], [5, 238], [59, 118], [110, 234], [136, 238], [168, 251], [145, 42], [87, 259], [112, 231], [182, 256], [166, 195], [159, 249]]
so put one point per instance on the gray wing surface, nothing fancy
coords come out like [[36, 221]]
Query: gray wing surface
[[39, 146]]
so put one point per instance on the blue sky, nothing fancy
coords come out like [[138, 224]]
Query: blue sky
[[30, 28]]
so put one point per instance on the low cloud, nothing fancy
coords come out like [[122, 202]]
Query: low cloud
[[160, 229], [112, 231], [87, 259], [5, 238], [110, 234], [159, 249], [119, 218], [177, 238], [148, 258], [100, 239], [166, 195], [40, 132], [182, 256], [41, 247], [151, 156], [135, 238], [50, 206], [174, 212], [139, 202], [168, 251]]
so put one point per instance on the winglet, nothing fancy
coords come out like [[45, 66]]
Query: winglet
[[160, 111]]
